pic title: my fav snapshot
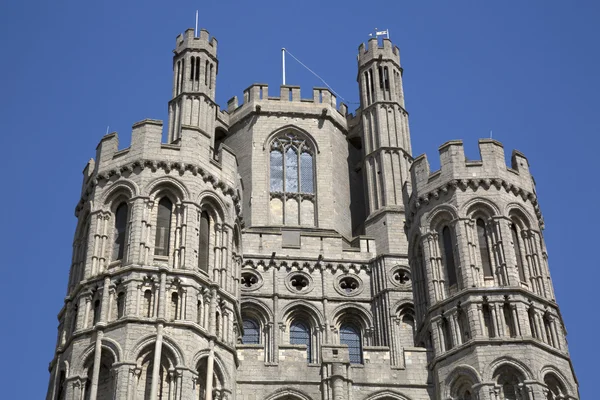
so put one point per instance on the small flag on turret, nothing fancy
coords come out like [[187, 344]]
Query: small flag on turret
[[381, 33]]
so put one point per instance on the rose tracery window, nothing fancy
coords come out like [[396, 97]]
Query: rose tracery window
[[292, 182]]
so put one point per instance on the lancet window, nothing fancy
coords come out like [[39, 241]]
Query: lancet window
[[120, 231], [204, 242], [517, 248], [449, 257], [484, 249], [163, 227]]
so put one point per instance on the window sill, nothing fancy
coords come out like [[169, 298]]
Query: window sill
[[250, 346]]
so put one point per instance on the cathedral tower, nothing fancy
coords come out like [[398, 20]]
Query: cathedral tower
[[186, 284], [482, 288], [152, 309]]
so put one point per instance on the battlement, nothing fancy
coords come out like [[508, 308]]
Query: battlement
[[256, 99], [148, 151], [188, 40], [457, 170], [374, 51]]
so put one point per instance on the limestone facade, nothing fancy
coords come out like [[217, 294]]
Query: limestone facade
[[286, 249]]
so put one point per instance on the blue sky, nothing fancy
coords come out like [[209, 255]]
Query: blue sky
[[525, 69]]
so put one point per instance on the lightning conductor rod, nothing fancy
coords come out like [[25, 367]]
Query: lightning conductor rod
[[283, 63], [196, 30]]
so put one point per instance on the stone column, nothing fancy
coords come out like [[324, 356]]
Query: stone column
[[156, 366], [209, 370]]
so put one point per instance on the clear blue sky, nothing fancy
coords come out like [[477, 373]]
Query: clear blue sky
[[526, 69]]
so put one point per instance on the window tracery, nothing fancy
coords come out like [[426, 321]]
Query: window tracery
[[292, 180]]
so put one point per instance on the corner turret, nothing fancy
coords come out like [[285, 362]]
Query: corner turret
[[195, 67]]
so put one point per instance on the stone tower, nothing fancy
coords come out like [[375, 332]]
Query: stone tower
[[152, 306], [483, 293], [284, 249]]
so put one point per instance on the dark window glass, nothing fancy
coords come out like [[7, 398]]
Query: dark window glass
[[204, 250], [447, 334], [251, 332], [61, 384], [174, 306], [163, 227], [350, 335], [300, 334], [508, 320], [517, 247], [484, 249], [120, 231], [148, 303], [487, 321], [96, 317], [121, 305], [449, 255]]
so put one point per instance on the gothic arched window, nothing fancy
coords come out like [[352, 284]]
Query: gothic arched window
[[121, 215], [448, 246], [296, 174], [163, 227], [204, 242], [350, 336], [300, 334], [292, 172], [484, 248], [251, 332]]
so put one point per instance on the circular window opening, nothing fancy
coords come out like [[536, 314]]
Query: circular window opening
[[250, 281], [349, 284], [299, 282], [401, 277]]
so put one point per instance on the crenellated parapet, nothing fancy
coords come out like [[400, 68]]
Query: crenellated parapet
[[373, 51], [147, 151], [458, 172], [256, 100], [204, 42]]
